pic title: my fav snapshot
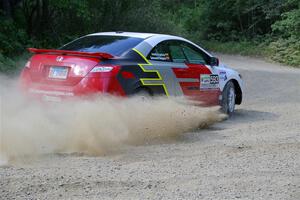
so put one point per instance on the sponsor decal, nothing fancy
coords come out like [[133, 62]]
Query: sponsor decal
[[160, 56], [223, 75], [166, 77], [209, 81], [151, 81]]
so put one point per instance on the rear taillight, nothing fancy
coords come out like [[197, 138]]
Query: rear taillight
[[80, 70], [102, 69], [28, 64]]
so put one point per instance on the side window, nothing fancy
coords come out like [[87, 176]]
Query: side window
[[192, 55], [160, 53], [177, 53]]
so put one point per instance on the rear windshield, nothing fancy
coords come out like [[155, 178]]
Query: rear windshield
[[114, 45]]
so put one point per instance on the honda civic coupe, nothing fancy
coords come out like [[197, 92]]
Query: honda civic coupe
[[126, 64]]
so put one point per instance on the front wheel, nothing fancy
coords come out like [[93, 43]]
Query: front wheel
[[228, 99]]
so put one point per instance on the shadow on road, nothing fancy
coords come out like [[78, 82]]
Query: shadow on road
[[243, 115]]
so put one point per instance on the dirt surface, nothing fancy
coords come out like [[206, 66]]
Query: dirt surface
[[253, 155]]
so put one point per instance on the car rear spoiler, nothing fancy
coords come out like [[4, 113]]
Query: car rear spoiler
[[65, 52]]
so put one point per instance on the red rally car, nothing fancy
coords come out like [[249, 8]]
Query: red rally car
[[125, 64]]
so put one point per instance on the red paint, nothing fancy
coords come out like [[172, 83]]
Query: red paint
[[192, 71], [77, 53], [127, 75], [192, 89], [80, 80], [41, 63]]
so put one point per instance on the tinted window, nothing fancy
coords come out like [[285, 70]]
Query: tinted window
[[115, 45], [177, 53], [160, 52], [192, 55], [181, 52]]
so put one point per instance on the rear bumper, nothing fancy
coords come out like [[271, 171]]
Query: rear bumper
[[86, 87]]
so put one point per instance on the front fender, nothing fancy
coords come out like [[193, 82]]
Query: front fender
[[227, 74]]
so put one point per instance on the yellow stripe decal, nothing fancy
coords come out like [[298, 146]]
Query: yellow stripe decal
[[155, 71]]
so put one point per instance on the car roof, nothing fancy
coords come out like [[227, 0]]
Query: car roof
[[149, 38], [131, 34]]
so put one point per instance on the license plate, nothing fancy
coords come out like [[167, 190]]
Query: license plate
[[58, 72]]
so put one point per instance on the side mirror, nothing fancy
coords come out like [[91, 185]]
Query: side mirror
[[214, 61]]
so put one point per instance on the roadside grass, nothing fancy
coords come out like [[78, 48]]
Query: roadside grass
[[285, 51], [244, 48]]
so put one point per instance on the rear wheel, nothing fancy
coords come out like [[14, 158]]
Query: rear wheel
[[143, 93], [228, 99]]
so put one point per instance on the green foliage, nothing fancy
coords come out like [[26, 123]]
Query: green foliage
[[6, 64], [289, 25], [247, 27], [252, 48], [12, 65], [231, 19], [11, 41], [286, 51]]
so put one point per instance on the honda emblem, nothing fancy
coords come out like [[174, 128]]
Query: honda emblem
[[59, 58]]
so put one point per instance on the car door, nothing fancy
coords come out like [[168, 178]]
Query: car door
[[194, 74], [160, 62]]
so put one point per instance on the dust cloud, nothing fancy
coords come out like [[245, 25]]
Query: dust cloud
[[101, 125]]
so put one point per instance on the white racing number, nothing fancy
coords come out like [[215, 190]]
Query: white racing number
[[209, 81]]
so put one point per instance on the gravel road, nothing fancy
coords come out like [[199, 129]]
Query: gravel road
[[253, 155]]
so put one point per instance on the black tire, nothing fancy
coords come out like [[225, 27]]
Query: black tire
[[228, 99]]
